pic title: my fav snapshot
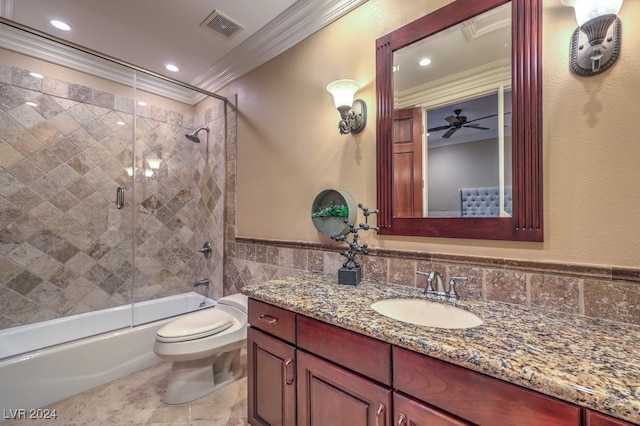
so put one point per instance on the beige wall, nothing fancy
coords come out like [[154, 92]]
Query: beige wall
[[289, 148]]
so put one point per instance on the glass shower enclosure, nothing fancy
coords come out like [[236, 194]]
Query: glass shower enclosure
[[103, 199]]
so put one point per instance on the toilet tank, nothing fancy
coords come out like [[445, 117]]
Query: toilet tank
[[238, 301]]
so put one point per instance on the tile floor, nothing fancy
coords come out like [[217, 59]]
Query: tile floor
[[137, 400]]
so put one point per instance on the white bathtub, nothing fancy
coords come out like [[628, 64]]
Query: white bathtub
[[48, 361]]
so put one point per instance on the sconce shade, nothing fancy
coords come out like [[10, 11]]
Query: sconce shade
[[343, 92], [353, 113], [586, 10], [154, 163]]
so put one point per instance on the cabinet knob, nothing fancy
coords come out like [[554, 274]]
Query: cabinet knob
[[402, 419]]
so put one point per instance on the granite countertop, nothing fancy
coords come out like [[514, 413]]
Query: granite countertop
[[588, 362]]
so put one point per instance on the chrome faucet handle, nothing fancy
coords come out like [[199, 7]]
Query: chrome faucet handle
[[206, 250], [429, 275], [452, 286]]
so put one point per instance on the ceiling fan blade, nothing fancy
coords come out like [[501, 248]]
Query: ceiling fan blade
[[453, 120], [476, 126], [435, 129], [450, 132], [482, 118]]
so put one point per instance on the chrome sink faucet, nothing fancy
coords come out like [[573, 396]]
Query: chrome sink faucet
[[440, 289]]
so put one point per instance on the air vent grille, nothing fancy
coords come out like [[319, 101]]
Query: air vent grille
[[222, 25]]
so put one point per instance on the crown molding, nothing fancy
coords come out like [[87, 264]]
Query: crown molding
[[51, 51], [468, 84], [300, 21]]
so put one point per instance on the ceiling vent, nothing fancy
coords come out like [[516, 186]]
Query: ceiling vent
[[222, 25]]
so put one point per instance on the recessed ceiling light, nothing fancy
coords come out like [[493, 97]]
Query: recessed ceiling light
[[142, 103], [172, 68], [36, 75], [120, 123], [424, 62], [33, 104], [60, 25]]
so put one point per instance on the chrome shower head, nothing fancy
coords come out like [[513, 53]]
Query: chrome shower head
[[193, 136]]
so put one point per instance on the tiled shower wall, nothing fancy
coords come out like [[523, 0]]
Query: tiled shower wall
[[64, 246], [600, 292]]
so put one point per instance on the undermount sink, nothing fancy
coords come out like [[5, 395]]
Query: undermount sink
[[427, 313]]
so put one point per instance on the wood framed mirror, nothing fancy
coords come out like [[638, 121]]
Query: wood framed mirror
[[524, 221]]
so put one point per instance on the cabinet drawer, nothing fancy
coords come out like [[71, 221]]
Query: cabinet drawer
[[276, 321], [475, 397], [354, 351], [593, 418]]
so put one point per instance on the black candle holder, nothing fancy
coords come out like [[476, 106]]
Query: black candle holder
[[351, 271]]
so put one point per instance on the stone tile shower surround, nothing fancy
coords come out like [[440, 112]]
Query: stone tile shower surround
[[593, 291], [64, 246]]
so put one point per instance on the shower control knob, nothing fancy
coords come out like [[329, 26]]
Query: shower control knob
[[206, 250]]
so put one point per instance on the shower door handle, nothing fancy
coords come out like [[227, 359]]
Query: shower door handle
[[120, 197]]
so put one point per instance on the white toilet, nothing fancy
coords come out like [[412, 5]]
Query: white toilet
[[204, 348]]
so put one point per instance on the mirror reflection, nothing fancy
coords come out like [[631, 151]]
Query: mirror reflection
[[452, 121]]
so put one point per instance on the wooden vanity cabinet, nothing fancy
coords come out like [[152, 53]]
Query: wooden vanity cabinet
[[271, 362], [302, 371]]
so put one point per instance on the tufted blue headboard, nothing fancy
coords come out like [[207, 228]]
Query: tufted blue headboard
[[484, 201]]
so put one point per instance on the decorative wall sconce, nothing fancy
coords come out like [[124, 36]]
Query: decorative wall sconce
[[595, 44], [353, 113]]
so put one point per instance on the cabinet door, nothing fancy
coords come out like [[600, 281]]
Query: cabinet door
[[409, 412], [271, 387], [331, 396]]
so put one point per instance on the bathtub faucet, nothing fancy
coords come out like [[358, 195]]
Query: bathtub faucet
[[203, 281]]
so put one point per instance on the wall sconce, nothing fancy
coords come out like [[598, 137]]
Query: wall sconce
[[595, 44], [353, 113]]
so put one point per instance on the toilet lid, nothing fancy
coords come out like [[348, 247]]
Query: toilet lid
[[195, 326]]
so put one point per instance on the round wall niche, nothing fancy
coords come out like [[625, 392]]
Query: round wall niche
[[332, 211]]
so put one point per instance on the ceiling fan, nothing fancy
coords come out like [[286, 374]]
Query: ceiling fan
[[457, 122]]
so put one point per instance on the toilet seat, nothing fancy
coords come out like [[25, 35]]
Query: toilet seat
[[196, 326]]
